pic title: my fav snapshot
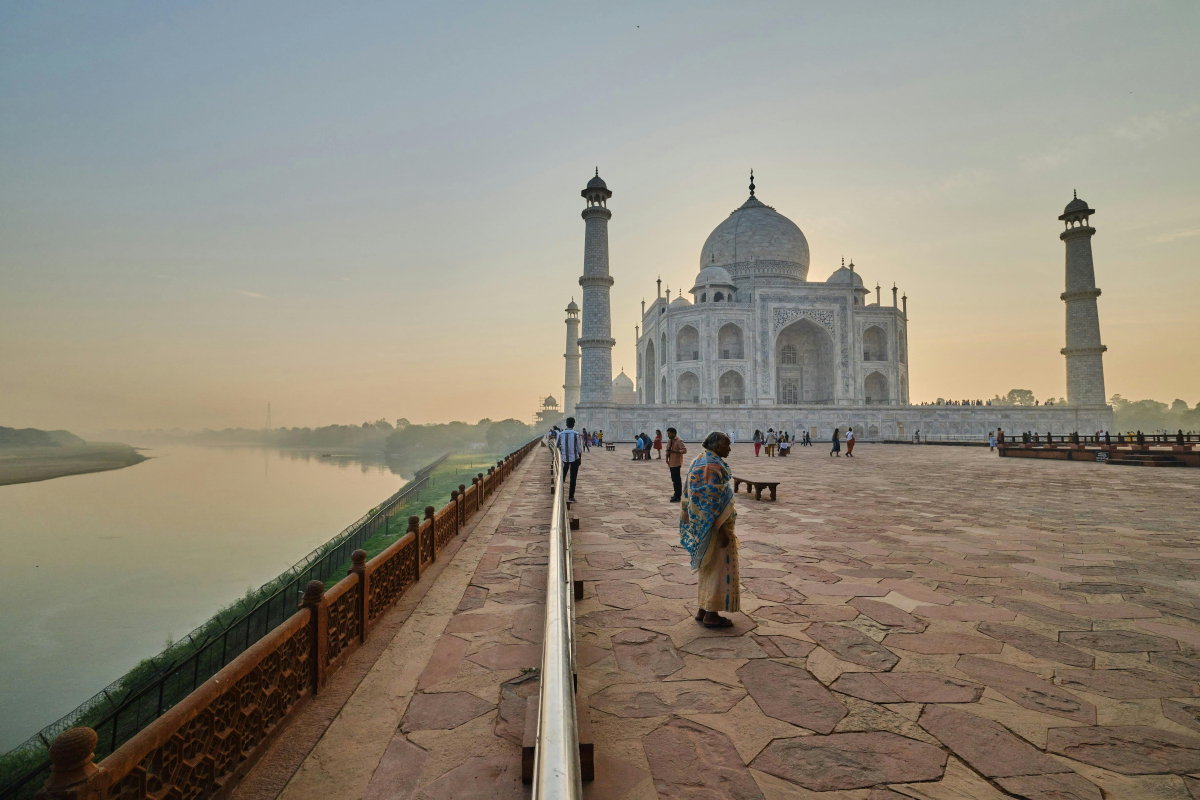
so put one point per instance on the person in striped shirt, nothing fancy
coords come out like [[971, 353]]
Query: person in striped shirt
[[570, 444]]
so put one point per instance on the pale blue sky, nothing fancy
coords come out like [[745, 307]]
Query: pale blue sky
[[366, 210]]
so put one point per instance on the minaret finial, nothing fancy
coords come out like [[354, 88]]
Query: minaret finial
[[597, 172], [752, 183], [1075, 193]]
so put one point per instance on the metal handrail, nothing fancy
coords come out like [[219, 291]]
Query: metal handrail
[[556, 771]]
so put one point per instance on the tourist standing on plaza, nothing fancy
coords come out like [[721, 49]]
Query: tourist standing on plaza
[[770, 440], [849, 442], [757, 442], [571, 446], [658, 442], [706, 530], [992, 440], [675, 451], [837, 443], [587, 440]]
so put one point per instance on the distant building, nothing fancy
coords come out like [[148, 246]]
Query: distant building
[[623, 393], [762, 344], [549, 413]]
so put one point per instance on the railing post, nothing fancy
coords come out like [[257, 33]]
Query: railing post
[[71, 766], [414, 527], [454, 499], [314, 599], [462, 506], [429, 512], [358, 566]]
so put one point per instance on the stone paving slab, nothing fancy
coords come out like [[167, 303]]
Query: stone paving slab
[[917, 622]]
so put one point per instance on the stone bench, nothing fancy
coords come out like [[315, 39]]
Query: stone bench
[[610, 447], [758, 486]]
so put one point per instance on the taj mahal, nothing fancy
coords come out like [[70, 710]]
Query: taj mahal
[[760, 343]]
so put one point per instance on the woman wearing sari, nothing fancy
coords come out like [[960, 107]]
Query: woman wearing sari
[[706, 525]]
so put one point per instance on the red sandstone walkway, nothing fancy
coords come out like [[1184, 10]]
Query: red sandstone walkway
[[923, 622], [929, 622]]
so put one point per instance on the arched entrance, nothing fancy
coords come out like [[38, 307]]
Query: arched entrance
[[689, 388], [687, 344], [875, 389], [731, 389], [650, 376], [804, 364]]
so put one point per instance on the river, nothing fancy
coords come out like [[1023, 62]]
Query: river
[[99, 570]]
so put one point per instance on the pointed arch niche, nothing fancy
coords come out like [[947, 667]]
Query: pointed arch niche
[[804, 364]]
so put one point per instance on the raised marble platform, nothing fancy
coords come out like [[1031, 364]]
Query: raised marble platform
[[694, 422]]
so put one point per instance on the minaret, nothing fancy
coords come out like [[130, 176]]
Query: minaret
[[596, 343], [571, 387], [1084, 352]]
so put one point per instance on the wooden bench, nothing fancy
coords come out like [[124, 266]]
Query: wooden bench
[[610, 447], [758, 486]]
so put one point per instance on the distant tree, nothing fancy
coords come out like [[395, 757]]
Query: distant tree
[[402, 423], [1019, 397], [1179, 406], [508, 433]]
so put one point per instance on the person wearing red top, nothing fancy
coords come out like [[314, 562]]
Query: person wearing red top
[[658, 442]]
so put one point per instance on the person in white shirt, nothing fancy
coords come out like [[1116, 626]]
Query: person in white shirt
[[849, 442], [770, 440]]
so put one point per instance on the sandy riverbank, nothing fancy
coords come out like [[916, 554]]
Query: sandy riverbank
[[26, 464]]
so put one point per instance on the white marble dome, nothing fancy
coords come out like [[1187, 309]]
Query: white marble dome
[[623, 381], [757, 240], [714, 276], [680, 301], [845, 276]]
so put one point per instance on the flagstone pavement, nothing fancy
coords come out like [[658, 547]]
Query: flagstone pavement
[[917, 622]]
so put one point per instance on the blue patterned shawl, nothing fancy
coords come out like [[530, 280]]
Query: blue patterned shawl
[[707, 504]]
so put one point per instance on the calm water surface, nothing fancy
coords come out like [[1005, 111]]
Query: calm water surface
[[98, 570]]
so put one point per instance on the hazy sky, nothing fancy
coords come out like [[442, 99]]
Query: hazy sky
[[355, 211]]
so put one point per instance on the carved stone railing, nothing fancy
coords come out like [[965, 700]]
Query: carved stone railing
[[202, 746]]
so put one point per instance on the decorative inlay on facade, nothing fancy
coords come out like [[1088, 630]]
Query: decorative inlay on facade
[[786, 316]]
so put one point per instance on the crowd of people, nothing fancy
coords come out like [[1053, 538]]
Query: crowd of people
[[707, 517]]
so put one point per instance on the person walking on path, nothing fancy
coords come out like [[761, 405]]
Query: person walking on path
[[706, 530], [570, 444], [837, 443], [849, 442], [770, 441], [675, 451], [757, 442], [587, 440], [658, 442]]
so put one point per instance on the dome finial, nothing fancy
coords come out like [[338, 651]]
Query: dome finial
[[1075, 193], [597, 172], [843, 262], [752, 183]]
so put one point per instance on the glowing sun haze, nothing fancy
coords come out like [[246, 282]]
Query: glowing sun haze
[[373, 211]]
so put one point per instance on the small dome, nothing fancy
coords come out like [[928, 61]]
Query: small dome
[[845, 277], [714, 275], [597, 182], [1076, 210], [1075, 205], [680, 301], [622, 381], [572, 306], [550, 401]]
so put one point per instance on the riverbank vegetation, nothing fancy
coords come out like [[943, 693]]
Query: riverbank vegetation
[[1149, 416], [401, 439]]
